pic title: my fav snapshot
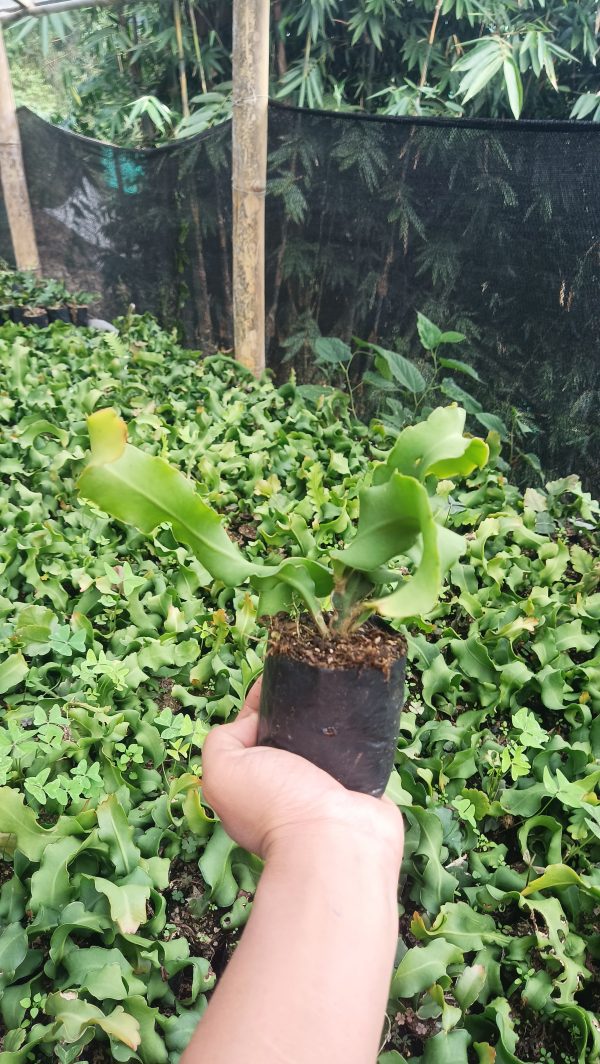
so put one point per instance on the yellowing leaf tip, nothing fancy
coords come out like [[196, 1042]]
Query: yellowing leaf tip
[[108, 436]]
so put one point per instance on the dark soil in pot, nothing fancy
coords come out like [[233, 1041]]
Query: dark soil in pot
[[35, 316], [59, 314], [336, 701]]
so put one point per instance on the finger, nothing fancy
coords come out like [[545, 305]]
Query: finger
[[240, 734], [252, 700]]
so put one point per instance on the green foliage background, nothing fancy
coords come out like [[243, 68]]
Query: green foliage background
[[114, 73], [121, 897]]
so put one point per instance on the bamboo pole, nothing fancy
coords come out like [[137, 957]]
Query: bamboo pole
[[249, 176], [183, 86], [12, 174], [35, 11], [197, 49]]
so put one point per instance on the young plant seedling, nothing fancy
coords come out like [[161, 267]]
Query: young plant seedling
[[397, 517], [348, 663]]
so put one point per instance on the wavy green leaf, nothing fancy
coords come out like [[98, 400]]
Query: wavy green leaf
[[127, 903], [117, 833], [146, 491], [422, 966], [435, 447], [75, 1015], [13, 670]]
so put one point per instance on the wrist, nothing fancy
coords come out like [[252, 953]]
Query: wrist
[[372, 834]]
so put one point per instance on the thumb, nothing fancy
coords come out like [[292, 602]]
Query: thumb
[[240, 734], [221, 748]]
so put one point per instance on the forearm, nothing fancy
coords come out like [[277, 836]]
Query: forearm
[[308, 983]]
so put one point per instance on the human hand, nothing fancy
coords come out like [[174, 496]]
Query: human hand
[[266, 797]]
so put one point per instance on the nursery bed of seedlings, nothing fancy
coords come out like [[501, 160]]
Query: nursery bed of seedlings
[[28, 299], [121, 898]]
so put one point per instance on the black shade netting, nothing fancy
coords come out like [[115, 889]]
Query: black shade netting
[[491, 228]]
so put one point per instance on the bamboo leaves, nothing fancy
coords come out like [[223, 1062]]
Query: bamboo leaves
[[483, 63]]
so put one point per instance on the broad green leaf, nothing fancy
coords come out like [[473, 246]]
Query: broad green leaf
[[376, 380], [462, 926], [396, 792], [437, 884], [474, 659], [523, 801], [469, 985], [303, 578], [114, 830], [436, 446], [447, 1048], [215, 865], [391, 517], [19, 828], [429, 334], [23, 1055], [127, 903], [75, 920], [13, 671], [537, 990], [74, 1015], [33, 627], [418, 595], [558, 877], [422, 966], [570, 636], [453, 391], [13, 951], [396, 367], [152, 1049], [460, 367], [331, 350], [452, 337], [196, 816], [50, 883], [492, 423], [93, 968], [438, 678], [145, 491], [179, 1029], [39, 427], [550, 827], [450, 1015]]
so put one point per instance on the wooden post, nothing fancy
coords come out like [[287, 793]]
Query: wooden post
[[249, 178], [12, 174]]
